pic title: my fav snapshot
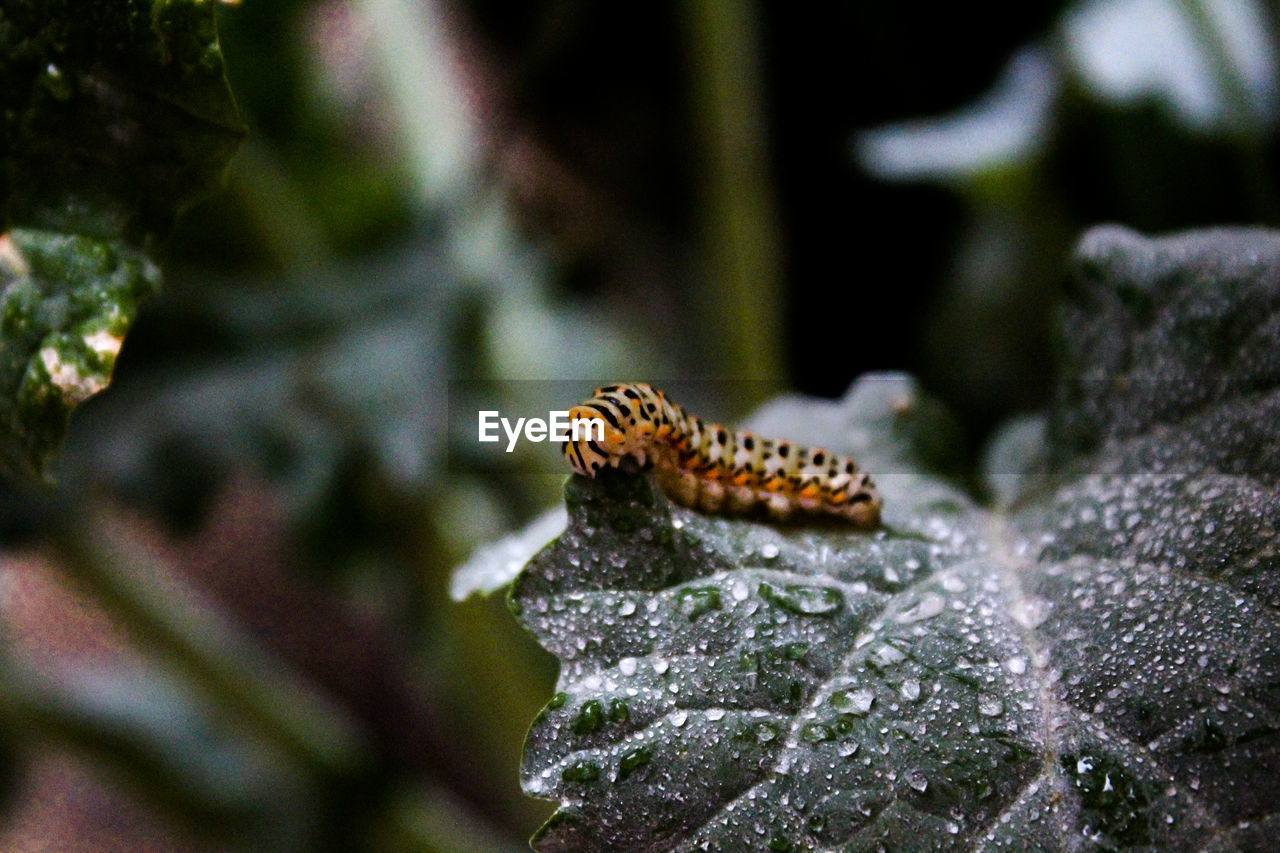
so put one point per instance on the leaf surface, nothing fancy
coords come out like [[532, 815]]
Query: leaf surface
[[1093, 665]]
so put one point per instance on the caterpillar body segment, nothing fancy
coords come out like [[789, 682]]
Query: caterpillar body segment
[[713, 469]]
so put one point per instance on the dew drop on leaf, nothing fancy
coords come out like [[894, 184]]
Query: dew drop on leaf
[[853, 701]]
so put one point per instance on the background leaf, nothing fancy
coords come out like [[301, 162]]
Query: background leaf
[[66, 303], [116, 115], [113, 117], [1096, 662]]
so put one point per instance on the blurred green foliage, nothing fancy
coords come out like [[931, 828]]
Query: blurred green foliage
[[459, 191]]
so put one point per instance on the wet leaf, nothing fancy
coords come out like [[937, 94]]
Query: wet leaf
[[1093, 665], [112, 118], [115, 114], [66, 302]]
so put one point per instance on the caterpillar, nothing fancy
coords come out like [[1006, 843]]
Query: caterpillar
[[713, 469]]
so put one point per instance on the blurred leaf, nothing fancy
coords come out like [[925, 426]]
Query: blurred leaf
[[336, 377], [493, 566], [1007, 127], [113, 117], [341, 365], [115, 114], [1212, 65], [66, 302], [146, 726], [1097, 663]]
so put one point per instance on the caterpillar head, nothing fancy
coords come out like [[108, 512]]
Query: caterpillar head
[[593, 442]]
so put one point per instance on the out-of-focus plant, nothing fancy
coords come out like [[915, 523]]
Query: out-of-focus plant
[[1156, 113], [271, 494], [321, 380], [270, 497]]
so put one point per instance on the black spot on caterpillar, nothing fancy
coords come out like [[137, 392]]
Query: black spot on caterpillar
[[713, 469]]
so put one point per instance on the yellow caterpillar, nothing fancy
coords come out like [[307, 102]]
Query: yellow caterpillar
[[713, 469]]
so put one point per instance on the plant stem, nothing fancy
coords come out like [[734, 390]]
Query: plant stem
[[219, 660], [742, 244]]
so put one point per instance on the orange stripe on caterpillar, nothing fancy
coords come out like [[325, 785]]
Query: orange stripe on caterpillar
[[713, 469]]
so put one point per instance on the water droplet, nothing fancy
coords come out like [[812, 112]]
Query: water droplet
[[581, 771], [678, 718], [627, 666], [769, 551], [661, 665], [714, 714], [1030, 612], [805, 600], [626, 608], [911, 689], [590, 717], [56, 83], [765, 732], [1017, 664], [816, 733], [697, 601], [929, 606], [632, 760], [917, 780], [853, 701], [990, 706], [847, 748], [888, 655]]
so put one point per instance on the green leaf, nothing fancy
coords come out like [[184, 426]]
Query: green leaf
[[1092, 666], [113, 116], [66, 302]]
